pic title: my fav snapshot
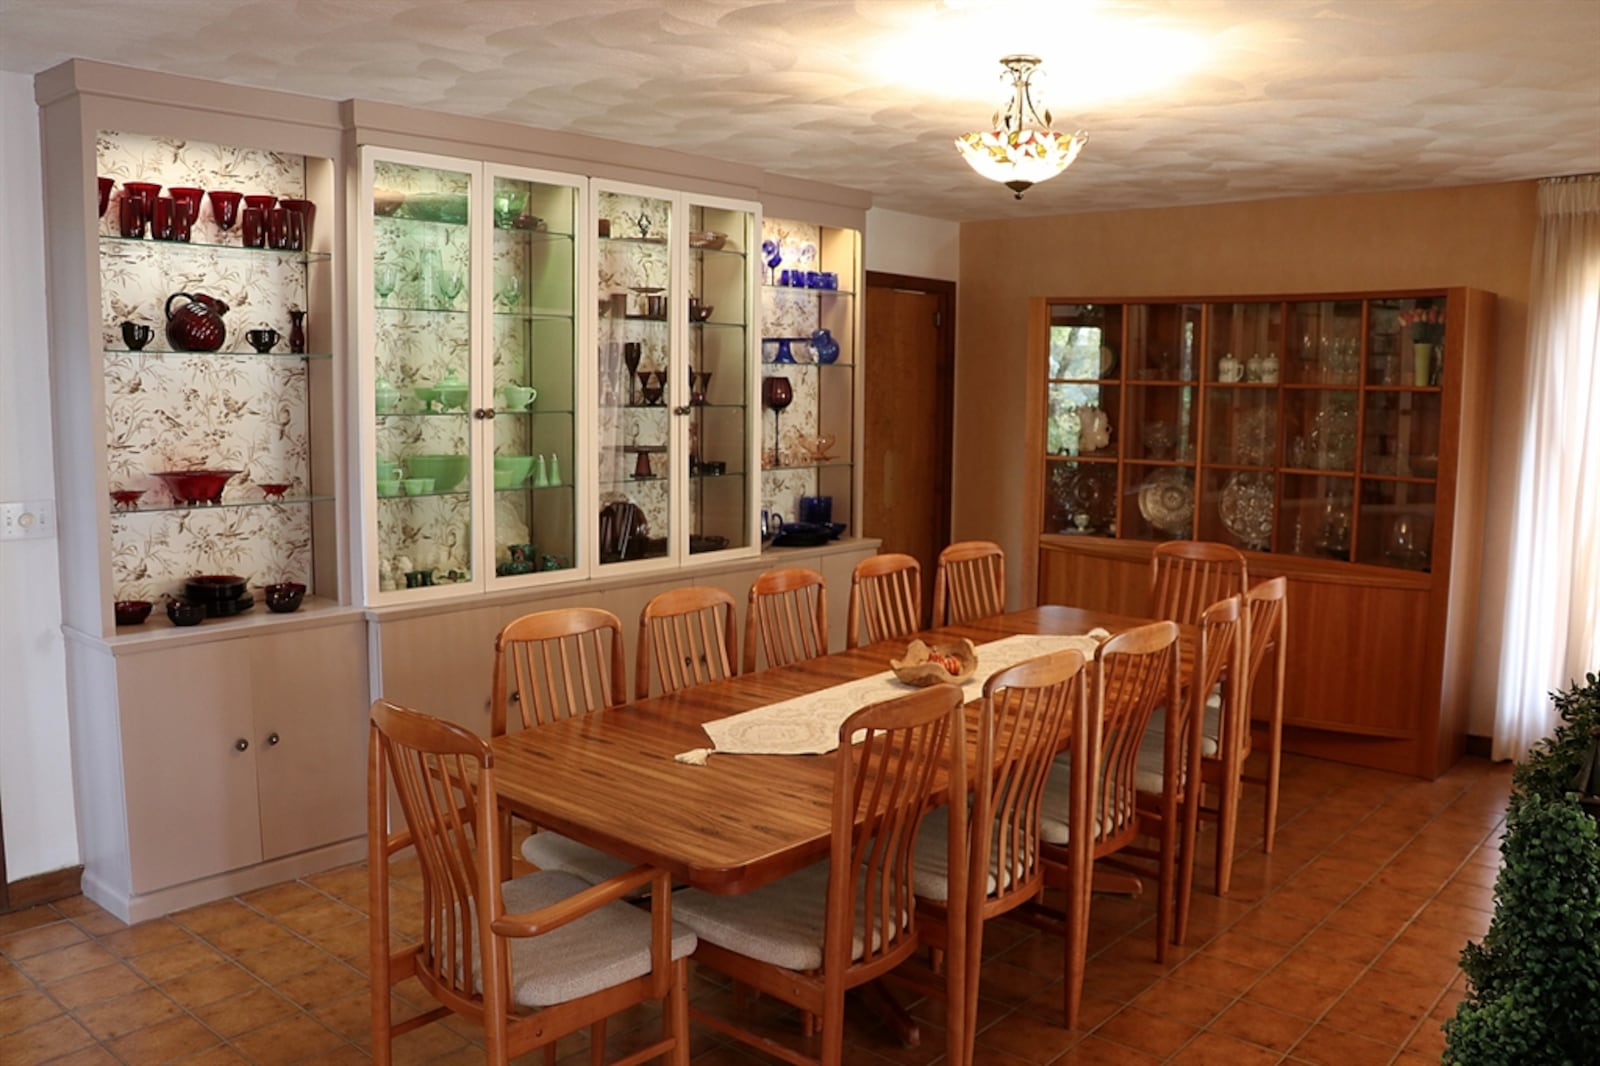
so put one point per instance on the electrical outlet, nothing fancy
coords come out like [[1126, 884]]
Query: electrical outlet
[[31, 520]]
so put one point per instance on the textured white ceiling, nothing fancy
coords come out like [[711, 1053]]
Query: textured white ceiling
[[1257, 99]]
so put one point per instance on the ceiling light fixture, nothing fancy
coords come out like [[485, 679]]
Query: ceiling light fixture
[[1021, 150]]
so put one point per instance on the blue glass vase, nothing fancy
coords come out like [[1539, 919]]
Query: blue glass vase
[[785, 355], [824, 346]]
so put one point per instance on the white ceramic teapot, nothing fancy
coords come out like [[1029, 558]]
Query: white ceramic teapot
[[1094, 429]]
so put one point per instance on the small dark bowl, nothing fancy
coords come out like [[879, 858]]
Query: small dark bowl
[[285, 596], [131, 612], [214, 588], [186, 612]]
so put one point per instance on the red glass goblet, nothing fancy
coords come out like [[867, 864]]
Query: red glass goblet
[[264, 202], [188, 194], [105, 194], [146, 191], [224, 207]]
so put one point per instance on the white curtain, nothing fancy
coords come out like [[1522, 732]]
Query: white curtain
[[1552, 625]]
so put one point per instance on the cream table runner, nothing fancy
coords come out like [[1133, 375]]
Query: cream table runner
[[809, 724]]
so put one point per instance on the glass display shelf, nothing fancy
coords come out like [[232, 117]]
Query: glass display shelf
[[163, 353], [159, 508], [114, 241], [419, 495]]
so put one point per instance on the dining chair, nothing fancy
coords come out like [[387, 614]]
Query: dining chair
[[1181, 756], [809, 937], [566, 957], [885, 599], [551, 665], [1090, 809], [969, 583], [1025, 720], [1267, 623], [1187, 576], [787, 617], [689, 635]]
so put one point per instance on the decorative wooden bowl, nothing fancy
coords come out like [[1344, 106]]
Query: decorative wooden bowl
[[921, 666]]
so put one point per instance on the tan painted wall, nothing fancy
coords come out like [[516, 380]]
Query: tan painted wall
[[1479, 236]]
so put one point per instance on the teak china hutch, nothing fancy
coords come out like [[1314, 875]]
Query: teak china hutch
[[1336, 439], [419, 406]]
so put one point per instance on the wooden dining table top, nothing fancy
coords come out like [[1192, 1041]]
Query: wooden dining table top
[[609, 778]]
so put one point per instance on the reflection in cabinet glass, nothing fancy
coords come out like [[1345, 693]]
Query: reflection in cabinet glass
[[1307, 427], [248, 409]]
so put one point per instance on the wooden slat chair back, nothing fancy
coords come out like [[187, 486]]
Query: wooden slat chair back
[[885, 599], [969, 583], [1267, 627], [1026, 719], [689, 636], [882, 783], [1132, 673], [557, 664], [1220, 665], [551, 665], [474, 958], [787, 618], [1218, 654], [1187, 576]]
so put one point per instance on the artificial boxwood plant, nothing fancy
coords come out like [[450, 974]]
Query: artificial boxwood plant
[[1534, 992]]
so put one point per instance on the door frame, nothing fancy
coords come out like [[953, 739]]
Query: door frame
[[945, 292]]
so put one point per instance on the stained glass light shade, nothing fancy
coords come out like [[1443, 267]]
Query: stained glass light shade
[[1021, 150]]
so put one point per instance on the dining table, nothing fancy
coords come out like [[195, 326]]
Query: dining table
[[611, 778]]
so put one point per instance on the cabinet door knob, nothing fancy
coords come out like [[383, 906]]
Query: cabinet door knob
[[272, 739], [241, 744], [680, 410], [483, 413]]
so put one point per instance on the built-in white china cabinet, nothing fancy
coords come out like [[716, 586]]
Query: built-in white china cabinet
[[485, 370]]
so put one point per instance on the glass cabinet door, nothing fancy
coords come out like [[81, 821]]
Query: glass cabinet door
[[636, 379], [421, 274], [718, 377], [533, 272]]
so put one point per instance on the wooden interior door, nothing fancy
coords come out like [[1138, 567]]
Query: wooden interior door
[[908, 401]]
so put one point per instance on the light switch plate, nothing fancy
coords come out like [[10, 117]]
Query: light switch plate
[[30, 520]]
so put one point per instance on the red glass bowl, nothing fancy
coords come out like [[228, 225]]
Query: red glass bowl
[[195, 487], [126, 499], [214, 588], [131, 612], [285, 596], [273, 490]]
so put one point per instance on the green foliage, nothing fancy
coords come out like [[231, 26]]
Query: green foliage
[[1535, 979]]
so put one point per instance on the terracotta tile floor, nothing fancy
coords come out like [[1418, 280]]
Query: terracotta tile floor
[[1339, 949]]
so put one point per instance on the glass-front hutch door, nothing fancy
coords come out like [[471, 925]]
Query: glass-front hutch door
[[639, 315], [534, 400], [470, 275], [723, 462], [419, 370]]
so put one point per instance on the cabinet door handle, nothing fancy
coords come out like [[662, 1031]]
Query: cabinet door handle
[[680, 410], [241, 744], [483, 413], [272, 740]]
